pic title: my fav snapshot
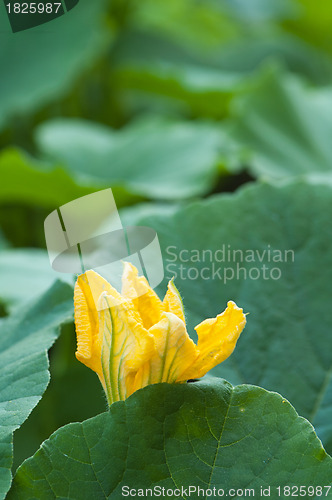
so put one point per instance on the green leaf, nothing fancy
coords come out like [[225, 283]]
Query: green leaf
[[3, 241], [198, 25], [66, 399], [206, 88], [24, 341], [26, 180], [205, 434], [262, 10], [21, 267], [311, 24], [47, 58], [286, 345], [152, 157], [131, 216], [289, 134], [262, 49], [163, 62], [148, 65]]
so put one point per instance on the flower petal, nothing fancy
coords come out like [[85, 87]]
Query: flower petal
[[173, 302], [89, 286], [175, 351], [145, 300], [126, 346], [217, 338]]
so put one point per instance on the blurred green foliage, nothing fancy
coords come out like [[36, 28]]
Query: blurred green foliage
[[165, 102]]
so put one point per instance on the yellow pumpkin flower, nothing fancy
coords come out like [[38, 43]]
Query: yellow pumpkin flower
[[134, 339]]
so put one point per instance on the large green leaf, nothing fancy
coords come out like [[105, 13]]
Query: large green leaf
[[65, 400], [153, 158], [311, 24], [155, 72], [19, 268], [204, 91], [40, 63], [131, 216], [3, 242], [148, 65], [205, 434], [195, 57], [286, 345], [195, 25], [26, 180], [24, 340], [287, 134], [262, 10]]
